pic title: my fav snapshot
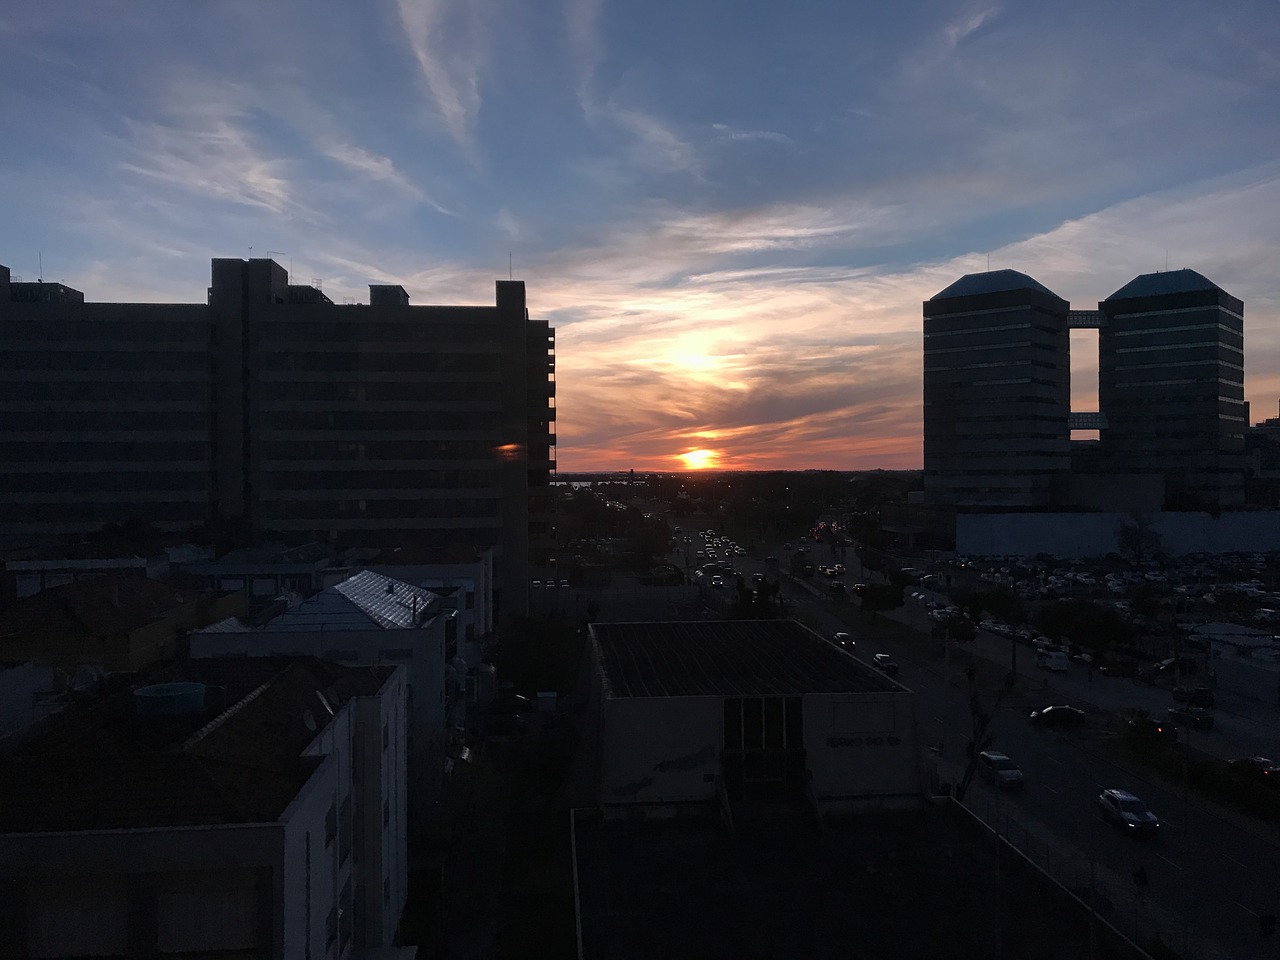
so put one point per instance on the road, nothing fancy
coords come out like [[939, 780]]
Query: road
[[1211, 872]]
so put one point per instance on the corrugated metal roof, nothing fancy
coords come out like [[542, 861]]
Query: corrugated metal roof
[[993, 281], [1161, 284], [726, 658], [362, 601]]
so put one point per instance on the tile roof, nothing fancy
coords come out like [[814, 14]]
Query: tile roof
[[726, 658], [109, 605], [100, 765]]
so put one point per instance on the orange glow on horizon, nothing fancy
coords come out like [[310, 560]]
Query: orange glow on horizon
[[700, 459]]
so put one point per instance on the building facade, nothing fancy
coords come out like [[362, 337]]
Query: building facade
[[997, 417], [1171, 387], [997, 392], [272, 407], [236, 808]]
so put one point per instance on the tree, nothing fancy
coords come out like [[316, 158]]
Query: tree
[[881, 596], [1136, 539]]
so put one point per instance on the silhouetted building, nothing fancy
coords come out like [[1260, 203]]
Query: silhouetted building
[[997, 392], [239, 807], [274, 408], [997, 417], [1171, 387]]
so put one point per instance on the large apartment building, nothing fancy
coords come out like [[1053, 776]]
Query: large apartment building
[[370, 425], [997, 417]]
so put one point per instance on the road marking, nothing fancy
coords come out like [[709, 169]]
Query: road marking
[[1244, 908], [1170, 862], [1053, 759], [1236, 862], [1050, 789]]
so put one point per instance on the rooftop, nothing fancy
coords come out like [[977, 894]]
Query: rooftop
[[993, 281], [1162, 284], [732, 658], [101, 765]]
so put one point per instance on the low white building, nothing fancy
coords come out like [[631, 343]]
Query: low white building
[[744, 713], [246, 807], [368, 618]]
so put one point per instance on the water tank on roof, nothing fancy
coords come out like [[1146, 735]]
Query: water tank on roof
[[169, 699]]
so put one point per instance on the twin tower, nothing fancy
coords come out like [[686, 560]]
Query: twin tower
[[997, 397]]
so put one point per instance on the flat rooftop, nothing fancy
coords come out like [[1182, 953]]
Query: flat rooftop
[[882, 886], [727, 658]]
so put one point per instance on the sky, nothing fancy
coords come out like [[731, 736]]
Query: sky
[[729, 210]]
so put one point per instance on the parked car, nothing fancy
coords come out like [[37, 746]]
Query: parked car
[[1196, 696], [1258, 766], [1060, 715], [886, 664], [1197, 718], [996, 768], [1130, 814]]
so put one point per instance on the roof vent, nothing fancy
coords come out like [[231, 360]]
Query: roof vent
[[169, 699]]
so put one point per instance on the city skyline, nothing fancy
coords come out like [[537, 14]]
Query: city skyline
[[730, 219]]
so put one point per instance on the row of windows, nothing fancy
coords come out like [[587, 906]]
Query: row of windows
[[88, 451], [81, 421], [158, 481], [89, 333], [139, 360], [351, 479], [153, 510], [389, 361], [370, 420], [99, 391], [313, 391], [395, 450]]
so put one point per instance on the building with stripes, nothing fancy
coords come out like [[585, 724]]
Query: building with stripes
[[270, 406]]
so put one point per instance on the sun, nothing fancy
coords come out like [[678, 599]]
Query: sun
[[699, 459]]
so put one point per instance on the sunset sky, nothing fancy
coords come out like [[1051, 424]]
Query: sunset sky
[[730, 210]]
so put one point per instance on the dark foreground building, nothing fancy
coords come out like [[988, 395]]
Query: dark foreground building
[[272, 408]]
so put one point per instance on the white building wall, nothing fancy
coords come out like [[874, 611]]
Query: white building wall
[[861, 745], [1074, 535], [660, 749]]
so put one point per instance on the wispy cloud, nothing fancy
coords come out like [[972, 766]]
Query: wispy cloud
[[218, 161], [446, 42]]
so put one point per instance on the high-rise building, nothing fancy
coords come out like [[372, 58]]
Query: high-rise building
[[1171, 387], [997, 393], [997, 418], [378, 425]]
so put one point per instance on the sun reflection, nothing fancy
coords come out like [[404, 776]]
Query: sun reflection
[[700, 459]]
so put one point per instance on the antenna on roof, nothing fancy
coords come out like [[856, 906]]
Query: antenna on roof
[[1166, 261], [510, 275], [40, 278], [988, 263]]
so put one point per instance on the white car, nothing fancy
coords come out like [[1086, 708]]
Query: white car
[[995, 767]]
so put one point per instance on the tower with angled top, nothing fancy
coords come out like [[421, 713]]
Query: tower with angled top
[[1171, 387], [997, 393]]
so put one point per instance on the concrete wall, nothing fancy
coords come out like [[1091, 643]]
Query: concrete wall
[[861, 746], [659, 749], [1247, 677], [1094, 534]]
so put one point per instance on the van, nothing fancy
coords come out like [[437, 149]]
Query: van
[[1055, 660]]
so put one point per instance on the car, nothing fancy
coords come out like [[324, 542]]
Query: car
[[995, 767], [1145, 728], [1257, 766], [717, 581], [843, 639], [1197, 718], [564, 583], [1127, 812], [1059, 715], [886, 664]]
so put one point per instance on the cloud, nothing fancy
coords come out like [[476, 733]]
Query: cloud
[[450, 55], [218, 161]]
